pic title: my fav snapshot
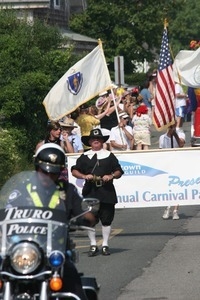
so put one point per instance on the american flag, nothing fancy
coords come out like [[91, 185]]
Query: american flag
[[164, 113]]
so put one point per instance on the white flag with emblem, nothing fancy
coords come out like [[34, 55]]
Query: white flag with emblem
[[82, 82], [187, 68]]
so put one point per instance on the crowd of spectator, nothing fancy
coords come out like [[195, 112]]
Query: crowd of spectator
[[125, 115]]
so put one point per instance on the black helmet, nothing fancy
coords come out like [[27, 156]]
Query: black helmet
[[50, 158]]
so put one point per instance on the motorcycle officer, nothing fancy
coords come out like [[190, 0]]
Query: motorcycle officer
[[49, 162]]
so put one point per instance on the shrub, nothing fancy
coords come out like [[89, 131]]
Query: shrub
[[10, 158]]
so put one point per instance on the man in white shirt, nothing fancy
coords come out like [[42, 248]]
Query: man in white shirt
[[173, 138], [121, 136]]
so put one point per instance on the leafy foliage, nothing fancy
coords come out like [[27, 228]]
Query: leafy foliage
[[10, 156], [185, 26], [32, 59], [31, 62], [133, 29]]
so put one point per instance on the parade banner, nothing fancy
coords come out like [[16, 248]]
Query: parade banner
[[154, 178]]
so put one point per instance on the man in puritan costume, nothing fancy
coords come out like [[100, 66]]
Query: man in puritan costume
[[98, 167]]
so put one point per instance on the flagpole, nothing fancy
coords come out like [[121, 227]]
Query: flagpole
[[100, 43], [113, 98], [117, 113]]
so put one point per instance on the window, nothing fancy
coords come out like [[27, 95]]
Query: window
[[56, 3]]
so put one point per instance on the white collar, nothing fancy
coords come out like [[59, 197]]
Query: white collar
[[103, 153]]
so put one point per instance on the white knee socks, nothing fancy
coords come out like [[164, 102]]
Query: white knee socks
[[106, 230], [92, 237], [105, 233]]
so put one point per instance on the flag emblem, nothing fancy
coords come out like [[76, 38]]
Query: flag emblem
[[74, 82]]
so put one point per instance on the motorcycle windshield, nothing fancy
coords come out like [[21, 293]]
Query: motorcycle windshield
[[24, 216]]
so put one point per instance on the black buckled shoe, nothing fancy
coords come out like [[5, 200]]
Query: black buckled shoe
[[105, 250], [93, 251]]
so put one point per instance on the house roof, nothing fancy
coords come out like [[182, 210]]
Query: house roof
[[24, 4], [76, 37]]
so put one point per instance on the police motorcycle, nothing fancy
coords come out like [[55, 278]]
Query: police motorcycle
[[34, 244]]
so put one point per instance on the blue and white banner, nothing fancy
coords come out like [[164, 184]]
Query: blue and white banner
[[155, 178]]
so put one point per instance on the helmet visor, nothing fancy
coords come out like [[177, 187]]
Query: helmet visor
[[50, 168]]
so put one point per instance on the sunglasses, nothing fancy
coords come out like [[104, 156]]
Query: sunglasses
[[56, 129], [66, 128]]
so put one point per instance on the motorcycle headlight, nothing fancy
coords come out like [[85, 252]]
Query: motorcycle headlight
[[25, 257]]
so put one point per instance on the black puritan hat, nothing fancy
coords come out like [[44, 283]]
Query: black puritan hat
[[94, 133]]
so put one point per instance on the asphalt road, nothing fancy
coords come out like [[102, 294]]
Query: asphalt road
[[148, 256], [151, 258]]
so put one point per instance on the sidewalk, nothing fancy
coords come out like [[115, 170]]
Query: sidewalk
[[175, 273]]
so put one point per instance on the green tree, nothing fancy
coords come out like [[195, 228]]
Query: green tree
[[9, 164], [134, 28], [31, 62], [185, 26]]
